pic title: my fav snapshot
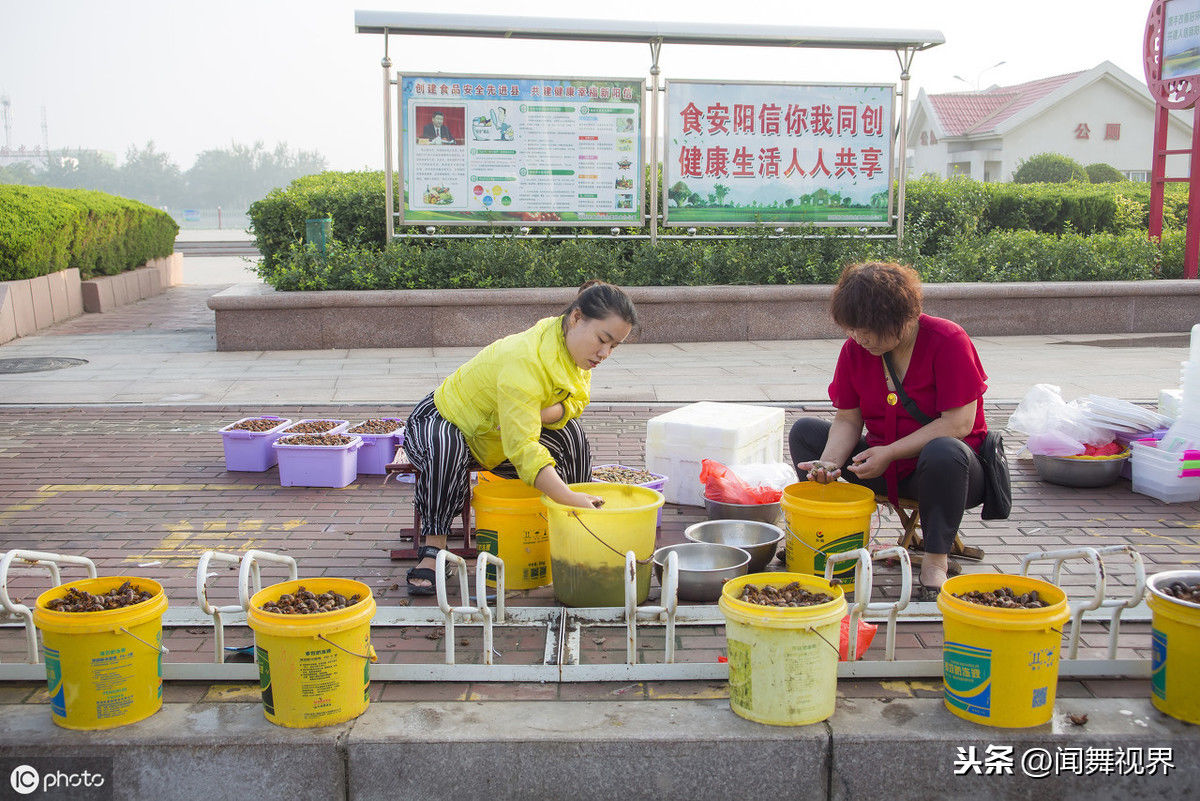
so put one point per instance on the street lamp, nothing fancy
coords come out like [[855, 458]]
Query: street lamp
[[980, 75]]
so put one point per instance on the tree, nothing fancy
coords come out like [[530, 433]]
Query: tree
[[721, 191], [150, 176], [236, 176], [17, 173], [1101, 173], [1049, 168], [679, 193]]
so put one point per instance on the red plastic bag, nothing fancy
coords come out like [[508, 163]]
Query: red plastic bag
[[1111, 449], [866, 634], [721, 484]]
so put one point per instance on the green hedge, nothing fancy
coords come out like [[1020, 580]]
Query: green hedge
[[353, 199], [535, 261], [44, 230], [962, 206], [956, 230]]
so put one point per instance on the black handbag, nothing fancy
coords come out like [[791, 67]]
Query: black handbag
[[997, 484]]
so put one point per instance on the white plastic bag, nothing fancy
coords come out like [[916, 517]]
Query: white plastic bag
[[775, 475], [1054, 424]]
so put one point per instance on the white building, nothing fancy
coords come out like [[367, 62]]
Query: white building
[[1101, 115]]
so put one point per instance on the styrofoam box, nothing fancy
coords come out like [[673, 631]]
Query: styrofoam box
[[729, 433], [1169, 402]]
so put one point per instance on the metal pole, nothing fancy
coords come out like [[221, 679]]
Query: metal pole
[[386, 63], [655, 48], [905, 64], [1158, 171], [1191, 255]]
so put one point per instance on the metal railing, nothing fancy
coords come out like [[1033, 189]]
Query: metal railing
[[563, 627]]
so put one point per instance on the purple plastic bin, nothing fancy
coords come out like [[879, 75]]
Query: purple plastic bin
[[251, 451], [341, 426], [318, 465], [655, 484], [378, 450]]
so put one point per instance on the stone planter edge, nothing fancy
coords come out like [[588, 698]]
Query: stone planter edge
[[256, 317]]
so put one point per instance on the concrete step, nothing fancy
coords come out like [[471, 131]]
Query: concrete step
[[229, 248], [901, 748]]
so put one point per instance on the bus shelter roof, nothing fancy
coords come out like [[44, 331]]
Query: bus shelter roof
[[631, 31]]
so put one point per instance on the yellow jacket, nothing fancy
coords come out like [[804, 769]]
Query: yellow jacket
[[497, 397]]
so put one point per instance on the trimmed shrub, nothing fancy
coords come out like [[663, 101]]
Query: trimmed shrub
[[943, 218], [1101, 173], [44, 230], [1049, 168], [533, 261], [355, 201]]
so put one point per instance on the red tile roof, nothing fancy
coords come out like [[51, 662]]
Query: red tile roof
[[963, 113]]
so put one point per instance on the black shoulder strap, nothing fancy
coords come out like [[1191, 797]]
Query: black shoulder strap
[[909, 405]]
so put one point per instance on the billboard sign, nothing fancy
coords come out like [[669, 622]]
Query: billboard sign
[[778, 154], [521, 150]]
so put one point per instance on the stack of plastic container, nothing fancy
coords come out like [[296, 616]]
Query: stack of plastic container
[[1170, 468], [729, 433]]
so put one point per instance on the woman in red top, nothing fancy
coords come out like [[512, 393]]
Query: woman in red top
[[935, 463]]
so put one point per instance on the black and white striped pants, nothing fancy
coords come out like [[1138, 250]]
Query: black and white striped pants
[[439, 450]]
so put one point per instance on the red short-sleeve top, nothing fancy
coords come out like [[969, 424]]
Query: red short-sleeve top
[[943, 373]]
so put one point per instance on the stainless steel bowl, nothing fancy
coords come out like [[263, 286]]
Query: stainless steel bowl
[[764, 512], [704, 567], [1069, 472], [760, 540], [1157, 584]]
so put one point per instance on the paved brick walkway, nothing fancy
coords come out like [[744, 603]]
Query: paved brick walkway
[[144, 492]]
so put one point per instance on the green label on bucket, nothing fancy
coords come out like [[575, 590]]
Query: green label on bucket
[[851, 542], [1158, 664], [54, 682], [967, 674], [489, 541], [740, 692], [264, 679]]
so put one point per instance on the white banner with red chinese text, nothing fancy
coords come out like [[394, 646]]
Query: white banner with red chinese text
[[778, 154]]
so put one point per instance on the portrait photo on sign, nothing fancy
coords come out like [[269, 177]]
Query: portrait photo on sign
[[439, 125]]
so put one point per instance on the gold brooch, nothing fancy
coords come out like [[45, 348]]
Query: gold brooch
[[892, 399]]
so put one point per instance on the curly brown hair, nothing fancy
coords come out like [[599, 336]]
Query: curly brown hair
[[880, 297]]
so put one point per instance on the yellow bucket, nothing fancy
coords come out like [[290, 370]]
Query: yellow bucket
[[314, 670], [510, 522], [822, 519], [782, 660], [103, 669], [587, 546], [1000, 666], [1175, 643]]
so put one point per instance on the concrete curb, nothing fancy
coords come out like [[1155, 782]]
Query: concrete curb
[[35, 304], [256, 317], [603, 750], [108, 292]]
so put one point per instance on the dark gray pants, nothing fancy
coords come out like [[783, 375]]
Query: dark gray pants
[[439, 450], [948, 479]]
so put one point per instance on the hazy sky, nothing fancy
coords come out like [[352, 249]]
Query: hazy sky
[[197, 75]]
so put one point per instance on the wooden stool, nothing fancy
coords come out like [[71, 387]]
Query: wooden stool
[[400, 466], [911, 538]]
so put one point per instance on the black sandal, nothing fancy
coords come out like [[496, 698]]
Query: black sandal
[[425, 573]]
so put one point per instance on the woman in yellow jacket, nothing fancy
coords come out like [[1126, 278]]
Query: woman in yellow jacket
[[514, 408]]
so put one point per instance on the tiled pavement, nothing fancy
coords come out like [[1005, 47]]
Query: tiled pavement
[[143, 491], [120, 460]]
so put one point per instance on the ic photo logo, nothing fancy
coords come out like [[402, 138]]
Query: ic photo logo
[[75, 778], [24, 779]]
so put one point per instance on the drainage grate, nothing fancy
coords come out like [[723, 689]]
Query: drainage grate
[[38, 365]]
